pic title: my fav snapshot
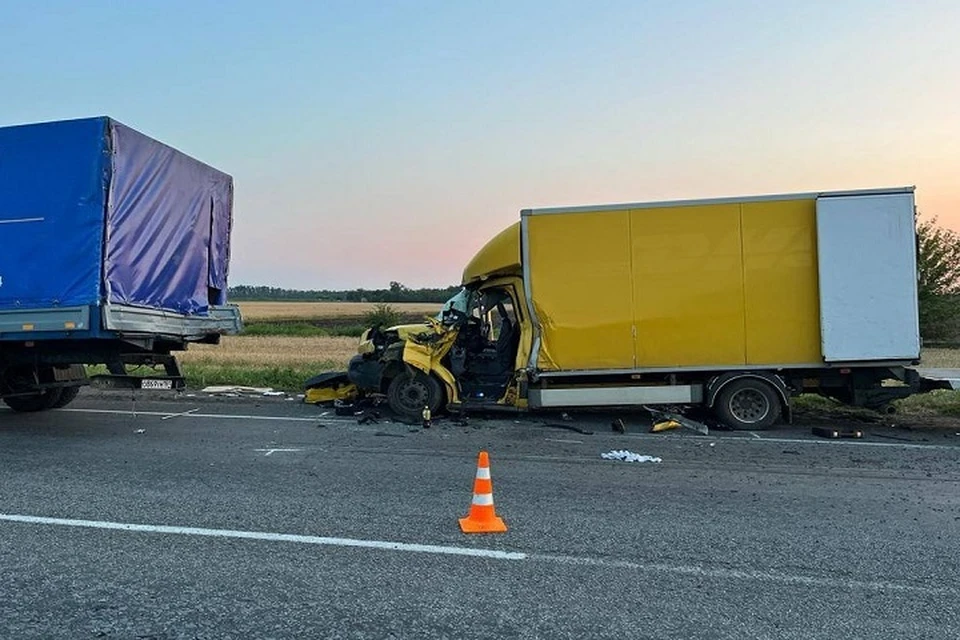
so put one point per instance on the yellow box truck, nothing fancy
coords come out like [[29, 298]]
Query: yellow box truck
[[735, 304]]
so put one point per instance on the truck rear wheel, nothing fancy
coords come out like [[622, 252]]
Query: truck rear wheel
[[747, 404], [67, 395], [34, 402], [409, 394]]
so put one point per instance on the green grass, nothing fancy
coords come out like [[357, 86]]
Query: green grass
[[280, 378], [941, 403], [198, 376]]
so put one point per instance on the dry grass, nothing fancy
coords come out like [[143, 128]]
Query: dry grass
[[258, 311], [272, 351], [940, 358]]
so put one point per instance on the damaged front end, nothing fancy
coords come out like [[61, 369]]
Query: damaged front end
[[402, 362]]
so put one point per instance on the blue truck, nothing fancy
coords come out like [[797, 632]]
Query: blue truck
[[114, 250]]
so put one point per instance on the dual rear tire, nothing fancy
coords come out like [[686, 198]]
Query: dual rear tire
[[47, 399], [748, 404]]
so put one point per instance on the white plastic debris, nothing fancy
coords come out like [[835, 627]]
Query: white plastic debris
[[628, 456], [273, 393], [236, 389], [140, 431]]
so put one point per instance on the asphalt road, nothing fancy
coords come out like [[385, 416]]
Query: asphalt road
[[266, 519]]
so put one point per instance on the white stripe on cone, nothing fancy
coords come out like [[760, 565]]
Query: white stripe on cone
[[483, 499], [483, 473]]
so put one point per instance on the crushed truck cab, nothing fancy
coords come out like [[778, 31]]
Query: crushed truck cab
[[735, 304]]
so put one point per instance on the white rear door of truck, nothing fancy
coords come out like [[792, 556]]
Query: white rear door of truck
[[868, 277]]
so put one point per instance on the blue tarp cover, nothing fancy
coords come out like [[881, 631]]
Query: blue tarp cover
[[91, 210], [53, 182]]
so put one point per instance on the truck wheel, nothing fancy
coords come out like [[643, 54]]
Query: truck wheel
[[748, 404], [35, 402], [67, 395], [408, 395]]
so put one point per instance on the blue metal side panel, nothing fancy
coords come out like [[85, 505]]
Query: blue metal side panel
[[53, 183], [168, 225]]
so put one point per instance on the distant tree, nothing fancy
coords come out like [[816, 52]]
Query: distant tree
[[938, 264]]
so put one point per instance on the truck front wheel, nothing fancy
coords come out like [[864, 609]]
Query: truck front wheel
[[409, 394], [34, 402], [747, 404]]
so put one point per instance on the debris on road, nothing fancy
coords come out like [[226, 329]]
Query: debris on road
[[839, 432], [664, 425], [629, 456], [618, 426], [236, 389], [140, 431], [666, 418], [568, 427]]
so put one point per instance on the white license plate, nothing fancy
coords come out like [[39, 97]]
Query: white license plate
[[156, 384]]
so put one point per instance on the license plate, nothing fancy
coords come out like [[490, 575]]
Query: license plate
[[156, 384]]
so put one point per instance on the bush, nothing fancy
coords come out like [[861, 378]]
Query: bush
[[382, 314], [938, 265]]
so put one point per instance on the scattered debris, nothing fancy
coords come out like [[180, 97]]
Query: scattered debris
[[389, 434], [665, 425], [273, 393], [427, 421], [568, 427], [566, 416], [792, 452], [140, 431], [228, 389], [182, 413], [368, 417], [628, 456], [839, 432], [618, 426], [320, 425], [664, 418]]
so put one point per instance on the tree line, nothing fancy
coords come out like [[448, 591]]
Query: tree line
[[396, 292]]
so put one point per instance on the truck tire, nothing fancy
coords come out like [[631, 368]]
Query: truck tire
[[748, 404], [67, 395], [35, 402], [408, 394]]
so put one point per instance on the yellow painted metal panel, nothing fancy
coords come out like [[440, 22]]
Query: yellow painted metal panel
[[580, 276], [688, 286], [500, 256], [781, 283]]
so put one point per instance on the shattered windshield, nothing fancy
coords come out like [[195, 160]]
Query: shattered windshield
[[460, 302]]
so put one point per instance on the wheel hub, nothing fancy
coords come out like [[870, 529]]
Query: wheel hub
[[749, 405]]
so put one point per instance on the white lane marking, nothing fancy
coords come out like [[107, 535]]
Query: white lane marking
[[225, 416], [755, 436], [272, 451], [181, 414], [608, 563], [272, 537], [564, 441], [16, 220]]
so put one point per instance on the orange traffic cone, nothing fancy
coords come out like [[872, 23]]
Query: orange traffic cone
[[483, 518]]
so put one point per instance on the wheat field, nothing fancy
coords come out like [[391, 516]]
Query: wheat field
[[260, 311], [273, 351]]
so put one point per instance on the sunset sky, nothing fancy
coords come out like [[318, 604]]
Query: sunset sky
[[383, 140]]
